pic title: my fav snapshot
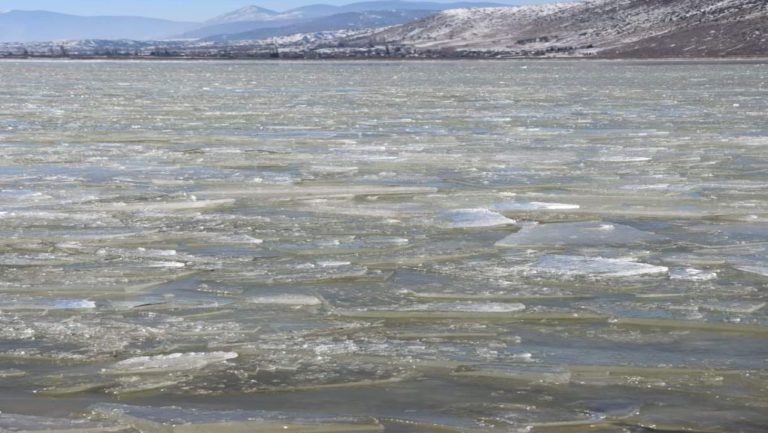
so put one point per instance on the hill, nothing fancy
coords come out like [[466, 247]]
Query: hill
[[610, 28]]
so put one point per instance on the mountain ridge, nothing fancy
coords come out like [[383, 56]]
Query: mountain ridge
[[242, 20], [589, 28], [25, 26], [342, 21]]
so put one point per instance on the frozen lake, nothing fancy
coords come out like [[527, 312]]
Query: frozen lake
[[555, 246]]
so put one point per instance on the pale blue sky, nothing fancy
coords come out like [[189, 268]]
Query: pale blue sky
[[182, 10]]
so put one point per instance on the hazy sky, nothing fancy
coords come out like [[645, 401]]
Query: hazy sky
[[189, 10]]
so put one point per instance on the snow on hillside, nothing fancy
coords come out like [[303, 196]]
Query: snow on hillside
[[248, 13], [606, 28], [593, 25], [476, 26]]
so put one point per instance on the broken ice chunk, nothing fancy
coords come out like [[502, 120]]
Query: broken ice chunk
[[733, 306], [38, 424], [754, 269], [532, 206], [580, 233], [45, 304], [691, 274], [468, 218], [169, 363], [295, 300], [66, 304], [320, 170], [595, 266], [622, 158], [478, 307], [160, 206], [178, 420], [333, 263]]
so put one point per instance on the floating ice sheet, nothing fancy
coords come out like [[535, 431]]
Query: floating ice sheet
[[295, 300], [578, 234], [24, 303], [478, 307], [691, 274], [169, 363], [533, 206], [470, 218], [595, 266], [39, 424], [178, 420], [622, 158]]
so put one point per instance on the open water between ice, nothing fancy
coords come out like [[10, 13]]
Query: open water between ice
[[559, 246]]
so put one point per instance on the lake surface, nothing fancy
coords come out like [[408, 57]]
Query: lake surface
[[557, 246]]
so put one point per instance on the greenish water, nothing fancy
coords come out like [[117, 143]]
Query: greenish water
[[557, 246]]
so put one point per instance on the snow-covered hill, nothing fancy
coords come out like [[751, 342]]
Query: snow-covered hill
[[344, 21], [248, 13], [605, 27], [252, 18]]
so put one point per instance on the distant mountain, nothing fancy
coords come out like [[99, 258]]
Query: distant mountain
[[24, 26], [347, 20], [607, 28], [252, 18], [208, 31], [248, 13], [319, 10]]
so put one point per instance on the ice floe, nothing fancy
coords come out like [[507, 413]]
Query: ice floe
[[286, 300], [595, 266], [578, 234], [25, 303], [177, 420], [40, 424], [169, 363], [479, 307], [471, 218], [533, 206], [691, 274]]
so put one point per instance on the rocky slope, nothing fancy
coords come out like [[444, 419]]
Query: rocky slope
[[611, 28]]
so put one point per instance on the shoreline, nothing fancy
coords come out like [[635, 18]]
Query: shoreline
[[670, 59]]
